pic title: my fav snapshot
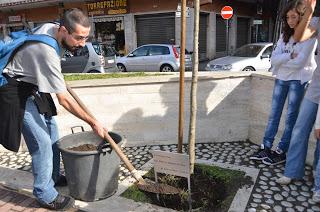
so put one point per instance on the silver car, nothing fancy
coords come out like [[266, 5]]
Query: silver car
[[153, 57], [88, 59], [250, 57], [110, 54]]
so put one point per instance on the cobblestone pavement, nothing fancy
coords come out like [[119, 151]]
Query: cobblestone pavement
[[267, 195]]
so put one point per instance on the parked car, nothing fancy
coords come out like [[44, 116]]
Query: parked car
[[250, 57], [88, 59], [110, 55], [154, 57]]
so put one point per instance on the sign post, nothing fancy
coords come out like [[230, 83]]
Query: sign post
[[226, 14], [172, 163]]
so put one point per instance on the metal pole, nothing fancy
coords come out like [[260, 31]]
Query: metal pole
[[182, 69], [227, 40]]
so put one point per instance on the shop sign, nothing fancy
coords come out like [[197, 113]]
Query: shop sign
[[14, 18], [107, 7], [178, 12]]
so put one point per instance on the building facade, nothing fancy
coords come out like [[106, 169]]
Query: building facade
[[127, 24]]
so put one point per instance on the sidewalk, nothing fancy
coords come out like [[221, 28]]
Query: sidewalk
[[14, 201], [267, 195]]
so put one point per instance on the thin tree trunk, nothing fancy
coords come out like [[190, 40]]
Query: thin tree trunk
[[182, 68], [193, 94]]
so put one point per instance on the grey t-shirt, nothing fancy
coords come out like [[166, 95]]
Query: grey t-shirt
[[39, 64]]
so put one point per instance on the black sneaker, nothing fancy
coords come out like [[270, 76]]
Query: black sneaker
[[62, 181], [263, 153], [275, 158], [61, 203]]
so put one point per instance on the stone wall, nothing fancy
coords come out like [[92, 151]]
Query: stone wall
[[231, 107]]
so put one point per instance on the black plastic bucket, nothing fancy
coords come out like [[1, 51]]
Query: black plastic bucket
[[91, 175]]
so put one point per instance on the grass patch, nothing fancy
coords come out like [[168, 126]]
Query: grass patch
[[212, 189], [73, 77]]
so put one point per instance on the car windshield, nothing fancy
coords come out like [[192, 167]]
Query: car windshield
[[97, 48], [248, 51]]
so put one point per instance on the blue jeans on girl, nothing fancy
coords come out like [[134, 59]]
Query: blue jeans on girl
[[295, 91]]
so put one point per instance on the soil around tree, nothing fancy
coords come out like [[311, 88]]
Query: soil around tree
[[212, 189]]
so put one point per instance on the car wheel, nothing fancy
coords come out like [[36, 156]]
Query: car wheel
[[248, 68], [166, 68], [121, 67]]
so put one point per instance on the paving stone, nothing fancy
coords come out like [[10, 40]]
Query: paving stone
[[285, 194], [267, 196], [272, 183], [300, 208], [294, 193], [275, 189], [306, 194], [262, 183], [266, 207], [257, 200], [293, 187], [291, 199], [270, 201], [286, 204], [258, 190], [268, 192], [315, 208], [252, 210], [259, 196], [278, 197], [277, 208], [305, 188], [254, 205], [290, 210]]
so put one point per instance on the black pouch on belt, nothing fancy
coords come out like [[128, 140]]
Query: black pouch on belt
[[13, 97], [45, 104]]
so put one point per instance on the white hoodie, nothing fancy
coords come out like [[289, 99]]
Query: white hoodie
[[299, 68]]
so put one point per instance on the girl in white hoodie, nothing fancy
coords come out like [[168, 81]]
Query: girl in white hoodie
[[293, 64]]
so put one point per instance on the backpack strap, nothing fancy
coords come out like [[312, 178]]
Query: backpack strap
[[44, 39]]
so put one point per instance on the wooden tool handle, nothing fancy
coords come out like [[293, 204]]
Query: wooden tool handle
[[108, 138]]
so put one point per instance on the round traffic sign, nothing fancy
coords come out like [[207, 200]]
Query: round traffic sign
[[227, 12]]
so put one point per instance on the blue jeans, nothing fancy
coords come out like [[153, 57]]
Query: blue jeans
[[41, 134], [297, 153], [295, 91]]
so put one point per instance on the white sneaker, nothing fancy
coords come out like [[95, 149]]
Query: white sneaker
[[284, 180], [316, 196]]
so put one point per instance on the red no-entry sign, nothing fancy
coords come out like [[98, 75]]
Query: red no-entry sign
[[226, 12]]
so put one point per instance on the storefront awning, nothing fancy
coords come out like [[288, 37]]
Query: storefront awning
[[7, 3]]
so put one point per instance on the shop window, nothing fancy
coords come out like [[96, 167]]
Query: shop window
[[111, 33]]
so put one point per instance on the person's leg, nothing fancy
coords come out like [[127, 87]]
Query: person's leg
[[316, 194], [295, 95], [54, 136], [298, 147], [38, 141], [278, 100], [316, 157]]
